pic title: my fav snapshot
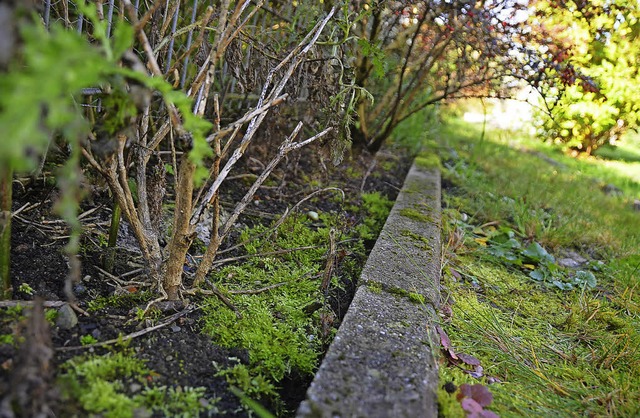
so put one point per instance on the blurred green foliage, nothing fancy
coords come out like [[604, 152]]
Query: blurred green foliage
[[600, 39]]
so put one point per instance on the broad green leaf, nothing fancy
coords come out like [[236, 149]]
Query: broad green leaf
[[536, 253], [537, 275], [586, 277]]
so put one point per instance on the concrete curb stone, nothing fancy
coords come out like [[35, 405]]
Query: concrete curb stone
[[382, 362]]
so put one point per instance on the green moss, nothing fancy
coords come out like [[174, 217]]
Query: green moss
[[99, 385], [421, 242], [7, 339], [281, 334], [428, 161], [375, 210], [416, 215], [128, 300], [417, 298], [375, 287]]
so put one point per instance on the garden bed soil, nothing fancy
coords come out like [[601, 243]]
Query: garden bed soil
[[178, 353]]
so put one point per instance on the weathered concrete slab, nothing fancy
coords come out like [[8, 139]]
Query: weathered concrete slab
[[382, 361], [406, 256]]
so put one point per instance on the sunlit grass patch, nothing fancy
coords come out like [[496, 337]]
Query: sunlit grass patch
[[551, 349], [558, 206]]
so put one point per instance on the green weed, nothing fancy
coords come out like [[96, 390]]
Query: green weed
[[88, 339], [50, 315]]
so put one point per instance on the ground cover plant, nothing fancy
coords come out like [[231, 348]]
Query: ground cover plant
[[539, 280]]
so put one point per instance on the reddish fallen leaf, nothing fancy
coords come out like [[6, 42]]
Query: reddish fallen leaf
[[444, 338], [481, 394], [446, 343], [446, 313], [471, 405], [468, 359], [477, 373], [464, 391], [455, 273], [474, 398], [486, 414], [493, 379], [477, 392]]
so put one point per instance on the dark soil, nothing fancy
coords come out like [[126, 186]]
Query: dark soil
[[178, 353]]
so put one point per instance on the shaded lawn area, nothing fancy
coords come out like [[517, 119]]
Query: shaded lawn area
[[540, 277]]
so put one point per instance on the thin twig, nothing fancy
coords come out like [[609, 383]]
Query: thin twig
[[136, 334], [331, 261], [257, 291], [215, 291], [266, 254], [370, 169], [268, 93]]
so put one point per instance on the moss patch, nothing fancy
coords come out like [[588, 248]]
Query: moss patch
[[416, 215], [428, 161], [421, 242], [102, 386]]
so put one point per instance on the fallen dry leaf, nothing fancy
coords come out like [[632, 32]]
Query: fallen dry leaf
[[468, 359], [446, 343]]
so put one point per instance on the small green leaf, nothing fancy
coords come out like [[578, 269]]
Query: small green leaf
[[586, 278], [536, 253], [562, 285]]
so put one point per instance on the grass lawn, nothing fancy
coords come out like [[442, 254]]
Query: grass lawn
[[540, 275]]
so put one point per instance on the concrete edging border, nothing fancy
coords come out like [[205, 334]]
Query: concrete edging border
[[382, 362]]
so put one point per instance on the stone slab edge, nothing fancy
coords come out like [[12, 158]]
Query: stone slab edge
[[382, 361]]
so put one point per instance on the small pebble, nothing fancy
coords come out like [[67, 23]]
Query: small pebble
[[79, 289], [313, 215], [175, 328], [67, 318]]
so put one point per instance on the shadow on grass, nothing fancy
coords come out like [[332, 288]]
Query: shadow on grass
[[618, 153]]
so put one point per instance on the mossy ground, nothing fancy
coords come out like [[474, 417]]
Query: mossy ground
[[549, 352], [286, 320]]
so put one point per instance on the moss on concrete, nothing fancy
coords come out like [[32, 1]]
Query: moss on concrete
[[428, 161], [416, 215]]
